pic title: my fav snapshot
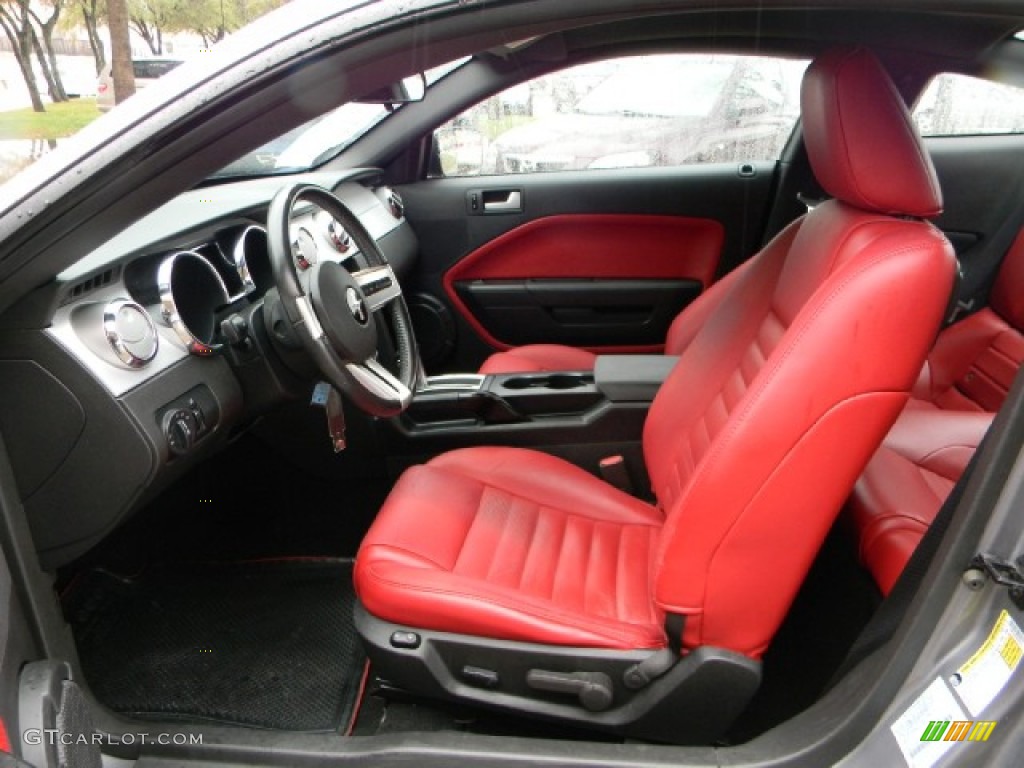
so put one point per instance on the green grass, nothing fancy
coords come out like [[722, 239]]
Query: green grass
[[58, 121]]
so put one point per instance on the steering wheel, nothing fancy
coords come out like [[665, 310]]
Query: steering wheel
[[333, 310]]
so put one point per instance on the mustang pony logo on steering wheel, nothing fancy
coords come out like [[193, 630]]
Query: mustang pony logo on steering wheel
[[356, 306]]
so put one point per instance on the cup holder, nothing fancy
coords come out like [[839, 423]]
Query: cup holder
[[559, 381]]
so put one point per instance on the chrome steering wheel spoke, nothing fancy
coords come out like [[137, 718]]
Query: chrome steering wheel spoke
[[379, 286], [378, 380]]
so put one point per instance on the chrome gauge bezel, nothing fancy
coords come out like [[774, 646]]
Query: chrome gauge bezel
[[240, 263], [337, 236], [303, 260], [117, 343], [169, 307]]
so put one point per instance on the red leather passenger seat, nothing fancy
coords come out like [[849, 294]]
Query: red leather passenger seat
[[963, 383], [794, 369]]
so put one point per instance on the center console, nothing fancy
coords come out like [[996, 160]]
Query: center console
[[606, 406]]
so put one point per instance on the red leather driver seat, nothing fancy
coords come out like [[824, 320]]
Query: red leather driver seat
[[752, 445]]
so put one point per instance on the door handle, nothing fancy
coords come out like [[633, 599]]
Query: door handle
[[503, 201]]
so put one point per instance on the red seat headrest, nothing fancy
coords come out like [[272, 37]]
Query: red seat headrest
[[862, 144]]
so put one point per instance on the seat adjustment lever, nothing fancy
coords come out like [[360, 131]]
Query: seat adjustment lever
[[594, 689], [651, 668]]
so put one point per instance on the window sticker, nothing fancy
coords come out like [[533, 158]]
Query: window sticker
[[987, 672], [937, 720]]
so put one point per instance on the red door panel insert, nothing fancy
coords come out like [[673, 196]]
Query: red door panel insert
[[609, 246]]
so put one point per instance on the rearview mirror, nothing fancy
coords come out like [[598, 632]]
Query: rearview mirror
[[405, 91]]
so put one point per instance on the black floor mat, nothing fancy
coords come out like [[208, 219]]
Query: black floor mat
[[268, 644]]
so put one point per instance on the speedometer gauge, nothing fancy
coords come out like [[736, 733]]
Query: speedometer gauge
[[304, 249]]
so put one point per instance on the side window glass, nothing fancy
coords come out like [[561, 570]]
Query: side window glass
[[633, 112], [958, 105]]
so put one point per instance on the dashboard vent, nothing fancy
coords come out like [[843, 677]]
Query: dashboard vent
[[91, 284]]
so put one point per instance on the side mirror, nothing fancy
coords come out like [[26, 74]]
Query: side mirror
[[405, 91]]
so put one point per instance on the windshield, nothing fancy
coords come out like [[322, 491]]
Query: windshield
[[322, 138], [302, 147], [54, 91]]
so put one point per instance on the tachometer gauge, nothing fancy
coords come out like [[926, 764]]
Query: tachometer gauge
[[304, 249]]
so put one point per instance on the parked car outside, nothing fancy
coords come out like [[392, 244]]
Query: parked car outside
[[721, 108], [146, 71], [77, 78]]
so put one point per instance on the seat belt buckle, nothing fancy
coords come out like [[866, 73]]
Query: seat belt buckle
[[959, 309], [614, 472]]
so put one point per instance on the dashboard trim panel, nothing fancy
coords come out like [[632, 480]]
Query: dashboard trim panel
[[116, 379]]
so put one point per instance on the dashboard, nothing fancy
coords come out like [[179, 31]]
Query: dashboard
[[131, 317], [148, 353]]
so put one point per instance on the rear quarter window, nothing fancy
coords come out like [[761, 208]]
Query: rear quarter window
[[960, 105]]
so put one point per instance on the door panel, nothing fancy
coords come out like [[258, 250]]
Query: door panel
[[581, 313], [602, 259], [584, 279]]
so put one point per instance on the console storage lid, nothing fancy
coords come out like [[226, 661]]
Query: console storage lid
[[632, 378]]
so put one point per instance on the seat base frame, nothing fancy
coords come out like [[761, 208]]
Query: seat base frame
[[694, 702]]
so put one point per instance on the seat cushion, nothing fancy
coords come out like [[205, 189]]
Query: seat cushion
[[516, 545], [906, 482], [535, 358], [972, 365], [893, 504], [974, 362]]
